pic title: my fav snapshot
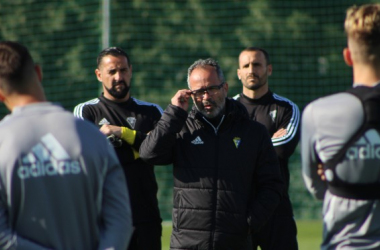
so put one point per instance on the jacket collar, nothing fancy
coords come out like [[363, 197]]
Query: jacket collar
[[265, 99], [234, 111]]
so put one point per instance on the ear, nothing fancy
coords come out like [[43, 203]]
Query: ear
[[2, 97], [347, 56], [269, 69], [98, 75], [38, 70], [238, 74], [225, 87]]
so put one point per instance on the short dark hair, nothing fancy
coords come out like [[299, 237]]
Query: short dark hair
[[202, 63], [113, 51], [16, 66], [266, 54]]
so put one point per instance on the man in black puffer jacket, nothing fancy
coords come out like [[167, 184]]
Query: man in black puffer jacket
[[227, 180]]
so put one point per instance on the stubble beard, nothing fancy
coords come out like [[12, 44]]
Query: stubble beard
[[261, 81], [217, 109]]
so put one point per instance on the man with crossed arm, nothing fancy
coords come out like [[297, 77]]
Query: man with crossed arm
[[281, 117]]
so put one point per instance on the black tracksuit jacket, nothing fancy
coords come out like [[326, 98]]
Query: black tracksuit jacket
[[227, 181], [142, 117], [276, 112]]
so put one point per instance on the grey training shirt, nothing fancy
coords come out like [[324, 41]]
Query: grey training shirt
[[327, 124], [61, 185]]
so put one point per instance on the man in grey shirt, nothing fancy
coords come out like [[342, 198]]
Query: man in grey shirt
[[351, 218], [61, 185]]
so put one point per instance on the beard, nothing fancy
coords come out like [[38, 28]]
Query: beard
[[217, 108], [118, 94], [261, 81]]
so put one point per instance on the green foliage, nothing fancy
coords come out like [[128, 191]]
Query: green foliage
[[304, 38], [63, 38]]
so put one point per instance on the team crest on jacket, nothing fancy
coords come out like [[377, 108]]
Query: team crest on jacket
[[131, 121], [273, 115], [237, 141], [103, 121]]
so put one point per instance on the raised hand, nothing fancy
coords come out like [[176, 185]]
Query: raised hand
[[181, 98]]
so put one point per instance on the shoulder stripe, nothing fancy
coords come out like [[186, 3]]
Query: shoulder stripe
[[144, 103], [293, 123], [78, 110]]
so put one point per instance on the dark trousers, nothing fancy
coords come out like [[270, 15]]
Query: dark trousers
[[279, 233], [146, 236]]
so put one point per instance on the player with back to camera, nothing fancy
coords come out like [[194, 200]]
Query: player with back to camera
[[340, 141], [61, 184]]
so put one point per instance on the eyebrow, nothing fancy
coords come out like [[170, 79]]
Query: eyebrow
[[209, 87]]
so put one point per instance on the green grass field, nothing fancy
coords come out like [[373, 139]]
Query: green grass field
[[309, 234]]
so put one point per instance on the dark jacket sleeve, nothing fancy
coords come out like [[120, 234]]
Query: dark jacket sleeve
[[157, 148], [140, 136], [84, 112], [268, 185], [285, 145]]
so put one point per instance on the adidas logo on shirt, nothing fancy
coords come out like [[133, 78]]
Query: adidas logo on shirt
[[367, 147], [197, 141], [103, 121], [47, 158]]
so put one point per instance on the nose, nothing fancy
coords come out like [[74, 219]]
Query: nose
[[206, 97], [118, 76], [251, 68]]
